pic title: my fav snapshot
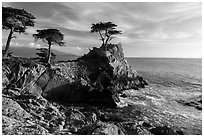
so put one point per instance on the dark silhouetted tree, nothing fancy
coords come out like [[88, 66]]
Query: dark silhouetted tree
[[43, 55], [15, 20], [50, 36], [106, 31]]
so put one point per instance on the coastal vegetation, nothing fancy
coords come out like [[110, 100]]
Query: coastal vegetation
[[15, 20], [50, 36], [106, 31]]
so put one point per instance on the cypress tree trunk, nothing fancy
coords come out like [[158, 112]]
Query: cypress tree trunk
[[49, 53], [106, 43], [8, 43]]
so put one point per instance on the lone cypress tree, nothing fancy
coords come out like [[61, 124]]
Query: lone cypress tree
[[106, 31], [50, 36], [15, 20]]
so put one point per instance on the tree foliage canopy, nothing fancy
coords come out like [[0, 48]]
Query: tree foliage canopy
[[52, 36], [16, 19], [106, 31]]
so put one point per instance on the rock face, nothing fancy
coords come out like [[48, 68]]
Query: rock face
[[95, 78], [21, 74], [101, 128]]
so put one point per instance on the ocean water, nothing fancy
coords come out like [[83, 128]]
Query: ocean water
[[170, 81], [177, 71], [181, 66]]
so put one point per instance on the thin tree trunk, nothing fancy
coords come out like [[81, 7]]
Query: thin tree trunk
[[49, 53], [106, 43], [101, 37], [8, 42]]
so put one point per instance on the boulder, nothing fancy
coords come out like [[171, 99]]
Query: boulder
[[14, 127], [195, 102], [101, 128], [17, 121], [74, 120], [12, 109]]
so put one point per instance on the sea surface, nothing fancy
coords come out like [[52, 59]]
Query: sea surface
[[171, 81], [170, 71]]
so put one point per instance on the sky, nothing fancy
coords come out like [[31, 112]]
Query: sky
[[168, 29]]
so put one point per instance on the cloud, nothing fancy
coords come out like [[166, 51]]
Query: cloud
[[16, 44], [182, 35], [70, 49], [31, 30], [78, 48], [140, 22], [48, 10], [155, 19], [34, 45]]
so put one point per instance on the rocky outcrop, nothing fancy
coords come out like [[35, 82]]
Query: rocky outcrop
[[195, 102], [95, 78], [18, 120], [101, 128], [21, 75]]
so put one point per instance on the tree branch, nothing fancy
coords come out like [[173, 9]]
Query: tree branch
[[111, 38], [13, 37]]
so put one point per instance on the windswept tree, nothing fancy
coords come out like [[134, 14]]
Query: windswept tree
[[43, 55], [15, 20], [51, 37], [106, 31]]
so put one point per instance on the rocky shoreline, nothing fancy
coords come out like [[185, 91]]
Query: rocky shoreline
[[79, 97]]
